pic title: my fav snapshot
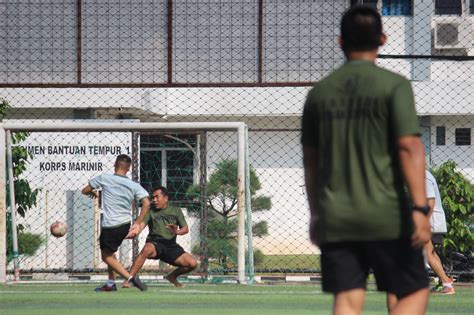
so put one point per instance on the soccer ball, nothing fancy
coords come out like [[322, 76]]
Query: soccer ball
[[58, 229]]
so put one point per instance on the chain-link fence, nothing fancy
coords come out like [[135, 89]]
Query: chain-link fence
[[218, 60]]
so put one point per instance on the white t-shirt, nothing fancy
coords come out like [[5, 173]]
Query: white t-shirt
[[118, 193], [438, 218]]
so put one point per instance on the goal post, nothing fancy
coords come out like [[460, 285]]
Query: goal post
[[79, 143]]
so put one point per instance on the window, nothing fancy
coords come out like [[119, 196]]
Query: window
[[448, 7], [471, 6], [370, 3], [463, 136], [396, 7], [389, 7], [441, 135], [168, 161]]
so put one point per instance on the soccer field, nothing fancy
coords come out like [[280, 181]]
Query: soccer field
[[199, 299]]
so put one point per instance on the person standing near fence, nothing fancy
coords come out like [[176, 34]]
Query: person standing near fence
[[118, 194], [361, 142], [165, 222], [438, 228]]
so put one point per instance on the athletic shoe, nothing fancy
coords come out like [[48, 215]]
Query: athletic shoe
[[447, 291], [138, 283], [437, 288], [106, 288]]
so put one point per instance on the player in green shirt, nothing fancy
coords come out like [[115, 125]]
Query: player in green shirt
[[361, 142], [164, 222]]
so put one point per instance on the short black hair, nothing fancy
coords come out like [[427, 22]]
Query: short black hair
[[163, 190], [123, 158], [361, 29], [123, 162]]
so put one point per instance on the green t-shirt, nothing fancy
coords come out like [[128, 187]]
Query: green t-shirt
[[158, 218], [353, 118]]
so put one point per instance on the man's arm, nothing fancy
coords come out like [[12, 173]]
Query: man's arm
[[138, 226], [145, 206], [176, 230], [89, 191], [431, 204], [310, 162], [135, 230], [412, 159]]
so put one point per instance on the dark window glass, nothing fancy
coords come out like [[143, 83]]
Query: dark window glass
[[396, 7], [448, 7], [371, 3], [179, 174], [441, 135], [171, 153], [463, 136]]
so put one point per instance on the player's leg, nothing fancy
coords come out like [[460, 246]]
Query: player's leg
[[435, 263], [112, 263], [148, 251], [399, 270], [391, 301], [344, 270], [349, 302], [414, 303], [110, 240], [186, 263]]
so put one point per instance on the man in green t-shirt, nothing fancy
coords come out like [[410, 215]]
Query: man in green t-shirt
[[164, 222], [361, 143]]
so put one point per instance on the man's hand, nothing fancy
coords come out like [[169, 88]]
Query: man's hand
[[422, 232], [93, 194], [173, 228], [134, 231], [313, 231]]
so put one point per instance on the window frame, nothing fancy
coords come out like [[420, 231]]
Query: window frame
[[458, 136]]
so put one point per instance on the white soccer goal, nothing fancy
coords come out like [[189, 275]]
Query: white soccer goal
[[53, 160]]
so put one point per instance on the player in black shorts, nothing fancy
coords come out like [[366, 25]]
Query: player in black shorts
[[164, 222], [361, 142], [118, 194]]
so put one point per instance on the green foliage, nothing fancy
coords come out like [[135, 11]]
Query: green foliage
[[221, 197], [258, 257], [28, 243], [457, 195], [25, 197]]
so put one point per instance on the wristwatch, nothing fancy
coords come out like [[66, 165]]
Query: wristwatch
[[423, 209]]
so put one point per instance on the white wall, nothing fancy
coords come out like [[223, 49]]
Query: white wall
[[276, 158], [462, 155]]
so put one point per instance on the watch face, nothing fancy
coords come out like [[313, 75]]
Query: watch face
[[424, 209]]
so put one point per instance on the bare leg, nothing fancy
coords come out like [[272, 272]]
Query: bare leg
[[391, 301], [186, 263], [349, 302], [114, 265], [435, 263], [111, 273], [414, 303], [148, 251]]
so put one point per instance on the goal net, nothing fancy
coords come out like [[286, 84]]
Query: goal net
[[203, 165]]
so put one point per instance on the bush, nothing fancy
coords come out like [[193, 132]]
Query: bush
[[457, 195]]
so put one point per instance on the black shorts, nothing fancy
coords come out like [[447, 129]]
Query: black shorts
[[111, 238], [437, 238], [166, 250], [398, 268]]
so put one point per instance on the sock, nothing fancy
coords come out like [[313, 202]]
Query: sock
[[130, 278], [448, 284], [110, 282]]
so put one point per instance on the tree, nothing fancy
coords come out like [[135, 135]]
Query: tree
[[457, 195], [221, 196], [25, 197]]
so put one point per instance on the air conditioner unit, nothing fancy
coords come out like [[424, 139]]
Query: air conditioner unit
[[452, 33]]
